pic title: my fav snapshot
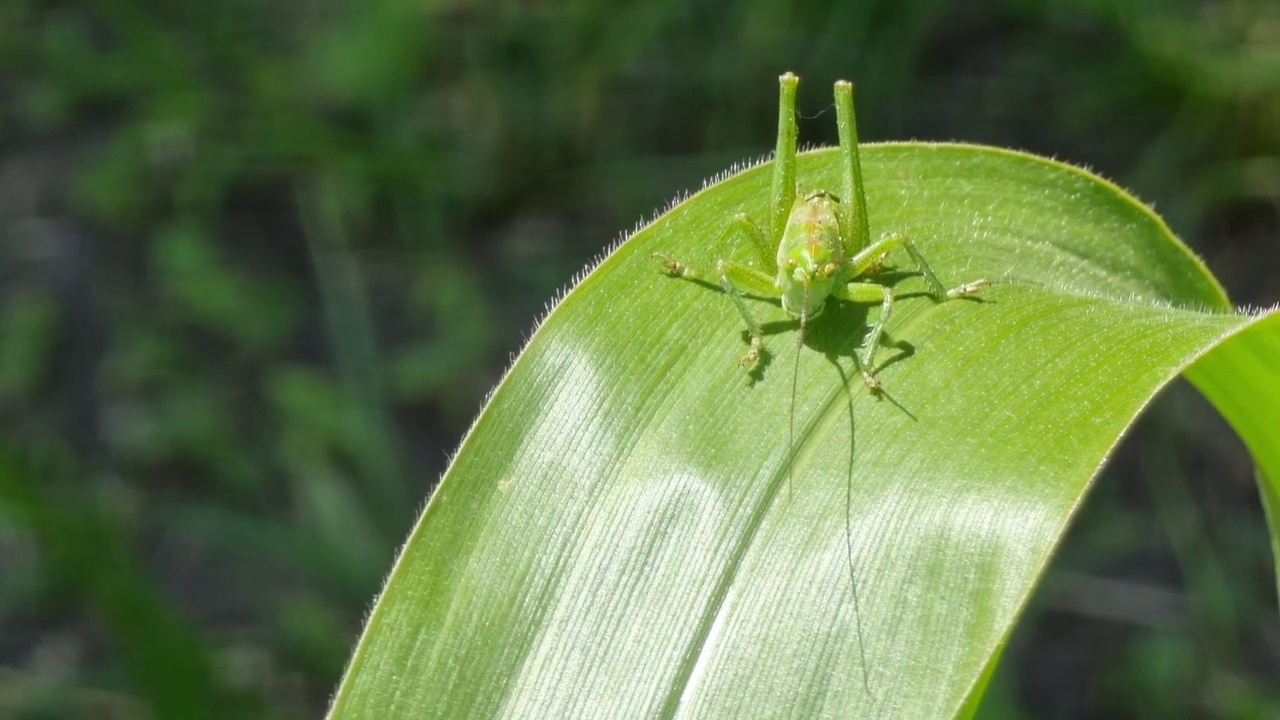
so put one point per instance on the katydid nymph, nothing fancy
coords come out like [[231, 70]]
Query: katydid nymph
[[824, 253], [824, 249]]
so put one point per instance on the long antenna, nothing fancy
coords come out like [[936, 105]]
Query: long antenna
[[848, 492], [795, 381], [853, 579], [853, 216]]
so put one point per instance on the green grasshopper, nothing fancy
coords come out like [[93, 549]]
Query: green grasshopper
[[824, 249]]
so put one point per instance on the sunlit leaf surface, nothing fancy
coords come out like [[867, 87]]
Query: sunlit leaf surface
[[631, 530]]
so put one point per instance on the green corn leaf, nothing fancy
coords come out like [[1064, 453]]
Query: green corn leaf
[[633, 529]]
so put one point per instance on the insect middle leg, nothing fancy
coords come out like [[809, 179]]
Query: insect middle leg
[[739, 225], [872, 255], [738, 279]]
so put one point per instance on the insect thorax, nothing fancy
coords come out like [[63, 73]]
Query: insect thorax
[[810, 254]]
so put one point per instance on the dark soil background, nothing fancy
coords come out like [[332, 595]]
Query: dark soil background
[[261, 260]]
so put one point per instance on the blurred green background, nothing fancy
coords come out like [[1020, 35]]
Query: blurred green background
[[261, 260]]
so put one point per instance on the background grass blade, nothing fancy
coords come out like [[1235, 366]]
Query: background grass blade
[[628, 531], [1241, 379]]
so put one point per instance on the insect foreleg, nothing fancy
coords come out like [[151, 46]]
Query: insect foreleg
[[869, 293], [738, 279]]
